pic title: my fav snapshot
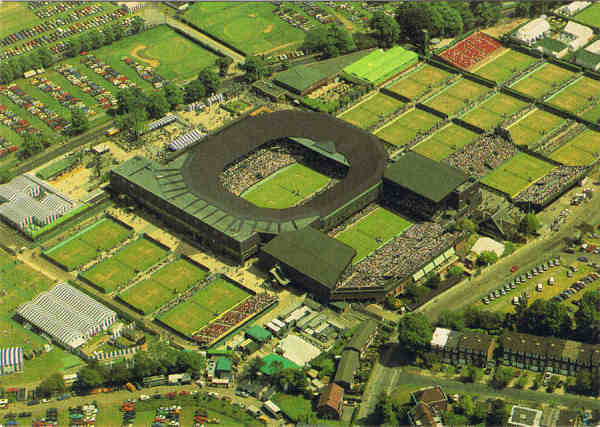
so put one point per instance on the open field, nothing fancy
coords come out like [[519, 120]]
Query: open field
[[577, 95], [250, 27], [204, 306], [456, 96], [493, 111], [286, 188], [542, 80], [417, 83], [372, 232], [87, 244], [162, 286], [506, 65], [16, 16], [173, 56], [372, 110], [445, 142], [593, 114], [590, 15], [516, 174], [407, 126], [119, 269], [533, 126], [582, 150]]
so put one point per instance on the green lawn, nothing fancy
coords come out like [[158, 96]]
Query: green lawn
[[582, 150], [372, 110], [252, 28], [593, 114], [372, 232], [141, 254], [419, 81], [533, 126], [455, 97], [543, 80], [516, 174], [87, 244], [16, 16], [203, 307], [590, 15], [444, 142], [407, 126], [109, 274], [506, 65], [297, 408], [493, 111], [162, 286], [286, 188], [577, 95]]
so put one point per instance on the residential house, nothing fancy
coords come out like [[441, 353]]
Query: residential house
[[224, 368], [434, 397], [331, 401], [347, 366], [363, 337], [423, 416]]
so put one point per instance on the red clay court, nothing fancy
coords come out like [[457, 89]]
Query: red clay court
[[471, 50]]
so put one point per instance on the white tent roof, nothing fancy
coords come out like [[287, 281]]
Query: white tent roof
[[533, 29]]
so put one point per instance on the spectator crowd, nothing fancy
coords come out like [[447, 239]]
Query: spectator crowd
[[548, 186], [482, 156]]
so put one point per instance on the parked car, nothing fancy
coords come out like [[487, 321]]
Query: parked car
[[514, 268]]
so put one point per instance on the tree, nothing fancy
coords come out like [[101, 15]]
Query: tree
[[455, 271], [174, 94], [89, 377], [587, 318], [137, 24], [157, 105], [499, 413], [117, 30], [6, 175], [7, 72], [414, 17], [583, 382], [385, 29], [392, 303], [254, 366], [46, 57], [191, 362], [119, 373], [73, 48], [466, 14], [502, 376], [487, 258], [79, 121], [331, 40], [256, 68], [85, 42], [523, 380], [130, 99], [487, 13], [433, 280], [414, 332], [210, 79], [144, 365], [109, 34], [223, 62], [53, 384], [384, 410], [194, 91], [96, 39], [32, 145], [453, 24], [132, 123], [454, 320], [546, 318], [467, 225], [530, 224], [474, 374], [553, 383], [466, 406]]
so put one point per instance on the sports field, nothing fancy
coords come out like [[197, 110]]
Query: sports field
[[456, 96], [582, 150], [506, 65], [444, 142], [533, 126], [418, 82], [16, 16], [542, 80], [373, 231], [590, 15], [593, 114], [252, 28], [372, 110], [407, 126], [493, 111], [286, 188], [88, 243], [204, 306], [577, 95], [516, 174], [119, 269], [170, 54], [148, 295]]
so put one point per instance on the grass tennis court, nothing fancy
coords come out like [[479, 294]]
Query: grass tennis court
[[493, 111], [407, 126], [250, 27], [506, 65], [577, 95], [203, 307], [372, 232], [87, 244], [148, 295], [590, 15], [516, 174], [533, 126], [593, 114], [582, 150], [372, 110], [444, 142], [418, 82], [119, 269], [543, 80], [455, 97], [379, 65], [287, 187]]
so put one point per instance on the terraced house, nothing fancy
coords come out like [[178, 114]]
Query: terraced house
[[460, 348]]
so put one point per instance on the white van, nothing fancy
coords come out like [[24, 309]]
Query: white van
[[539, 287]]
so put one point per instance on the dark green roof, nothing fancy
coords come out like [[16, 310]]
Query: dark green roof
[[268, 368], [258, 333], [347, 367], [326, 148], [552, 45], [300, 78], [424, 176], [362, 335], [312, 253], [224, 364], [587, 59]]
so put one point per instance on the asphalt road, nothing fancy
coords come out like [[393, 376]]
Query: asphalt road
[[469, 292]]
